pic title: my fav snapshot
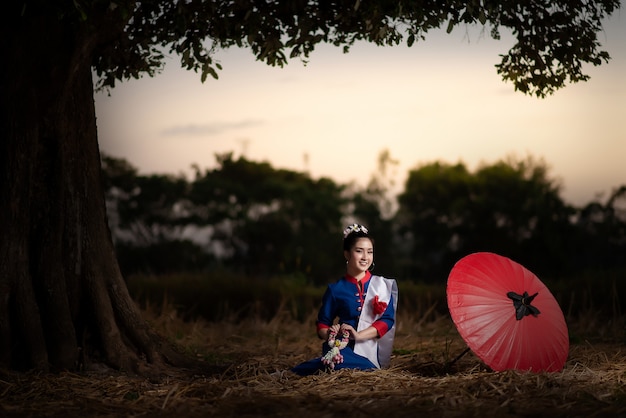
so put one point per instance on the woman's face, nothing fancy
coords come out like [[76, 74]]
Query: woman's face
[[360, 257]]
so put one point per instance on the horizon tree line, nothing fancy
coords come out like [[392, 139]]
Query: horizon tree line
[[253, 219]]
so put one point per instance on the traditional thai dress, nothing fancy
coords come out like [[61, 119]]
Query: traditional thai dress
[[360, 304]]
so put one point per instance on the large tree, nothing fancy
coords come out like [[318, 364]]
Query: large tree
[[61, 292]]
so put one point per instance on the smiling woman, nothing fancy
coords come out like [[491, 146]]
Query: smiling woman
[[360, 308]]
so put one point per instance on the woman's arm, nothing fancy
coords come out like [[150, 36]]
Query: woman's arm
[[365, 334], [377, 329], [326, 315]]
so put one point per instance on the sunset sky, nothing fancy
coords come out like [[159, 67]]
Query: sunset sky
[[440, 100]]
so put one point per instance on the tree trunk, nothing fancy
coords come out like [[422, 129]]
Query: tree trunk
[[63, 300]]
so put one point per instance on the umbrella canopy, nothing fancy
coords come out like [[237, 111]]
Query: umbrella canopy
[[506, 315]]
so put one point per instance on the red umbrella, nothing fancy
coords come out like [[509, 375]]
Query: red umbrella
[[506, 315]]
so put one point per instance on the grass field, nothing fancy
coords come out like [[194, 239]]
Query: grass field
[[251, 378]]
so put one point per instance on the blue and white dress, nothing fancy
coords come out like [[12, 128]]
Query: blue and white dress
[[352, 302]]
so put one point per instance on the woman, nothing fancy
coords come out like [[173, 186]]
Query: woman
[[365, 306]]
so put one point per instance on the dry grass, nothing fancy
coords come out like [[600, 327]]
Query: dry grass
[[256, 381]]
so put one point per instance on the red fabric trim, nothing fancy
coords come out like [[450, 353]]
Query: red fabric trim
[[368, 275], [381, 327], [360, 285], [321, 326]]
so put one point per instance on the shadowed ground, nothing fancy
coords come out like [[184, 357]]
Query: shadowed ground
[[251, 379]]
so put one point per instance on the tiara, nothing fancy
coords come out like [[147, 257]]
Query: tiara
[[354, 228]]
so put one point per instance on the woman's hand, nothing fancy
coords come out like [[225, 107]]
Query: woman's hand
[[351, 331], [366, 334], [324, 333]]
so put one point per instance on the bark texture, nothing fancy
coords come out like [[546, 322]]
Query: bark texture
[[63, 300]]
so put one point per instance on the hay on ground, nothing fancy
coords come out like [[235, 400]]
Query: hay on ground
[[254, 380]]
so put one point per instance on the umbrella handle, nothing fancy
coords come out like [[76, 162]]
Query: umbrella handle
[[458, 357]]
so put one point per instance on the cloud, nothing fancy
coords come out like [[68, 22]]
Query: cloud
[[210, 129]]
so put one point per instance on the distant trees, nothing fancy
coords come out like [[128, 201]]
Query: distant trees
[[245, 216], [510, 207], [601, 233], [260, 221], [271, 221], [148, 222]]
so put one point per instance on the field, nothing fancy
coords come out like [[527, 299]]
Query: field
[[251, 360]]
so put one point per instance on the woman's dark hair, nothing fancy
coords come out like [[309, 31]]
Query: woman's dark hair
[[349, 241], [352, 233]]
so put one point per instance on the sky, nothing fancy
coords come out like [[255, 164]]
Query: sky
[[440, 100]]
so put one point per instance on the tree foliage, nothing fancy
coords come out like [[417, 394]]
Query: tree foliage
[[554, 39], [271, 220], [246, 216], [261, 222], [602, 232], [509, 207]]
